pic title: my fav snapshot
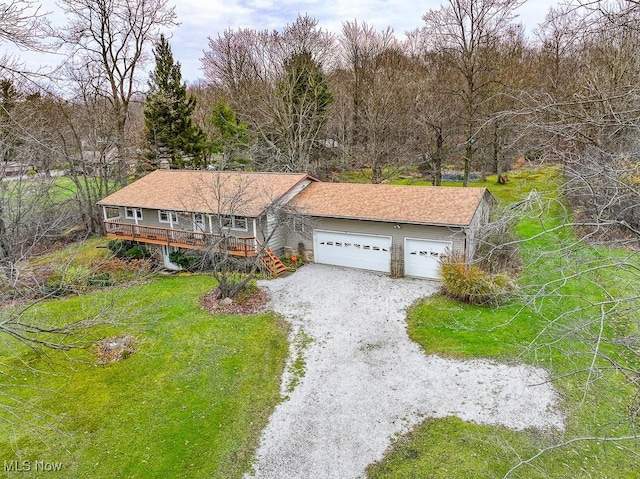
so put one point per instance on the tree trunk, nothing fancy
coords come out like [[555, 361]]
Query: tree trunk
[[437, 159]]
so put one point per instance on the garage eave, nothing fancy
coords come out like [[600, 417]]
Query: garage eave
[[387, 220]]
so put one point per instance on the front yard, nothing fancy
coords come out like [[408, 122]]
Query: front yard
[[191, 400]]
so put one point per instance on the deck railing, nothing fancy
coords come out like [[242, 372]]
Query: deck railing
[[180, 238]]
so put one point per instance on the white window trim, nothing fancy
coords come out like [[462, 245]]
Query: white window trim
[[233, 219], [172, 217], [132, 213], [200, 227]]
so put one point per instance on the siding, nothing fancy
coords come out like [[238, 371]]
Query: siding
[[456, 235], [480, 218], [278, 239], [185, 222]]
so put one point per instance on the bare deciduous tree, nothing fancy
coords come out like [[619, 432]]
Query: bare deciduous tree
[[107, 42], [274, 83], [235, 262], [21, 24], [461, 31]]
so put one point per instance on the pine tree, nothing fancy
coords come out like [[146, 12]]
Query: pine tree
[[230, 138], [170, 132]]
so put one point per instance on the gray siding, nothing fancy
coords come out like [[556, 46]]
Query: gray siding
[[480, 218], [185, 222], [456, 235], [277, 232]]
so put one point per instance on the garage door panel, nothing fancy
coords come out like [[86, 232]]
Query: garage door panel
[[422, 257], [353, 250]]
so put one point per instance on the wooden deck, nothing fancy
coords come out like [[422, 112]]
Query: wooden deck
[[179, 238]]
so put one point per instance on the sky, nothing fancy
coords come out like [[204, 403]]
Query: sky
[[200, 19]]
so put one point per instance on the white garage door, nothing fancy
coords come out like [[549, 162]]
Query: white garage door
[[421, 257], [352, 250]]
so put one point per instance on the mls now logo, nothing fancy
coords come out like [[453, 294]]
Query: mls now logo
[[27, 466]]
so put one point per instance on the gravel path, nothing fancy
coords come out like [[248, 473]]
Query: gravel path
[[366, 381]]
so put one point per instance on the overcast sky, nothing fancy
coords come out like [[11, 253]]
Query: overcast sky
[[200, 19]]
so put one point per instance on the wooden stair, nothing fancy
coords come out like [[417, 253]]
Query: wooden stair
[[272, 263]]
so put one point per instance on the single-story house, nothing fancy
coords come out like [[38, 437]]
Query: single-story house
[[354, 225]]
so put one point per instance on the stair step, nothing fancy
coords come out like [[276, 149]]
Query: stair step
[[272, 263]]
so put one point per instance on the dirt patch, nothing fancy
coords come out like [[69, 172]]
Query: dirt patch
[[114, 349], [251, 301]]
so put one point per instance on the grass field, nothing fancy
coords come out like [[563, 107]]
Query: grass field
[[191, 401], [445, 448]]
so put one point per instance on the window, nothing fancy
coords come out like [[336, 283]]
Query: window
[[234, 222], [239, 223], [198, 222], [300, 226], [167, 216], [133, 213]]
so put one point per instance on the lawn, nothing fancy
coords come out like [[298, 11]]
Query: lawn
[[190, 402], [445, 448]]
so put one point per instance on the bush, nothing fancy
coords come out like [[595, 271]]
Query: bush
[[473, 285], [181, 259], [137, 252], [128, 250]]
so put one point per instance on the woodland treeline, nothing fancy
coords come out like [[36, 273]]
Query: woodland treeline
[[466, 91]]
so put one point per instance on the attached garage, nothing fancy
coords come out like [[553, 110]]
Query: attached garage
[[397, 229], [422, 257], [353, 250]]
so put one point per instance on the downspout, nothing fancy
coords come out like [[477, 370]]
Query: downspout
[[255, 235]]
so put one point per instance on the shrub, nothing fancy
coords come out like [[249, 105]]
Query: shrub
[[181, 259], [128, 250], [473, 285], [137, 252]]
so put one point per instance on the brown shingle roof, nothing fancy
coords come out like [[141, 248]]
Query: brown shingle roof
[[403, 204], [245, 194]]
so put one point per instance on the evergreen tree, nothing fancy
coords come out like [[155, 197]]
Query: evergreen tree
[[305, 96], [230, 138], [170, 131], [8, 139]]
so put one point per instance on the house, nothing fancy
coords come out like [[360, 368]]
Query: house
[[355, 225]]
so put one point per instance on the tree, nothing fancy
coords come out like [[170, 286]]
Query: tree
[[30, 217], [21, 24], [170, 131], [230, 137], [435, 111], [375, 126], [299, 122], [107, 40], [585, 118], [229, 195], [261, 74], [461, 31]]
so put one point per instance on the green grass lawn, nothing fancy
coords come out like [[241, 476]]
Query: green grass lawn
[[190, 402], [446, 448]]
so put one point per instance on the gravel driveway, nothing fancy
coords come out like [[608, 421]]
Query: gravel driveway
[[366, 381]]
